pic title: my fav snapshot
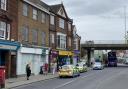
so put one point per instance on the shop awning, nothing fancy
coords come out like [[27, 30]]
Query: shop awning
[[9, 45]]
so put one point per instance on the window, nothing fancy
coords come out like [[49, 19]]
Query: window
[[25, 33], [69, 26], [52, 19], [8, 31], [61, 11], [58, 41], [35, 15], [52, 38], [3, 4], [25, 9], [61, 23], [69, 41], [34, 36], [43, 17], [2, 30], [76, 44], [61, 41], [43, 38]]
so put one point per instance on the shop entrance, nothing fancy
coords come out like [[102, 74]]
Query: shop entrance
[[9, 61], [13, 66], [3, 57]]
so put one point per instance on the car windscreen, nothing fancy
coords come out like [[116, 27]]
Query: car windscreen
[[66, 67], [80, 65], [97, 63]]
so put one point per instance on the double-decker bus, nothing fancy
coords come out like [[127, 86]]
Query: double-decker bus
[[112, 59]]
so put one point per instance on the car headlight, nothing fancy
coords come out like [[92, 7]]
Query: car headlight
[[70, 72]]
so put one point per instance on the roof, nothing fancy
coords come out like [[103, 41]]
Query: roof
[[55, 8], [40, 4]]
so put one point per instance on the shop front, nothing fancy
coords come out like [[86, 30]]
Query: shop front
[[8, 57], [36, 57], [76, 57], [53, 59], [65, 57]]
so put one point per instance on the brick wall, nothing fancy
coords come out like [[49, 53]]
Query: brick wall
[[32, 24]]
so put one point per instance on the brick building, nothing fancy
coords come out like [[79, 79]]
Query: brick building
[[61, 35], [76, 46], [8, 36], [33, 33]]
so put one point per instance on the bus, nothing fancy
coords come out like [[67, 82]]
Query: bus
[[112, 59]]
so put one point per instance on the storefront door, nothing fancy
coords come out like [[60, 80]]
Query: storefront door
[[13, 66]]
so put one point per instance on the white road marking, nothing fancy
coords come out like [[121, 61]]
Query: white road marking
[[67, 83], [64, 84]]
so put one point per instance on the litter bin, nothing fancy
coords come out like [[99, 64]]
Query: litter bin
[[2, 76]]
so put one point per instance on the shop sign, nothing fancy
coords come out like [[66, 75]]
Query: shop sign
[[45, 51], [76, 51], [8, 47], [65, 53], [13, 53]]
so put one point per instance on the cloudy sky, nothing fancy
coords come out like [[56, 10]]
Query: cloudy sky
[[96, 19]]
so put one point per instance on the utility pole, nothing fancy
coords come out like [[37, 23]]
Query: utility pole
[[125, 22]]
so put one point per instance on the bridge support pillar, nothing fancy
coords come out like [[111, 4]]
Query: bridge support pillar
[[89, 57]]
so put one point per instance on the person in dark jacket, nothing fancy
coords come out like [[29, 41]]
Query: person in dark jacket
[[28, 71]]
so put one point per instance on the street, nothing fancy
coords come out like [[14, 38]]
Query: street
[[108, 78]]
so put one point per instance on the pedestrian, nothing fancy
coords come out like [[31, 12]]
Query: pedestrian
[[45, 69], [54, 68], [28, 71]]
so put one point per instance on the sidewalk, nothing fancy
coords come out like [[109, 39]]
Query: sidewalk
[[14, 82]]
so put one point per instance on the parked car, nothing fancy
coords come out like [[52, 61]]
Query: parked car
[[68, 71], [126, 60], [82, 67], [98, 65]]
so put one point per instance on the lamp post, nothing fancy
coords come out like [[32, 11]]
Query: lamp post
[[125, 22]]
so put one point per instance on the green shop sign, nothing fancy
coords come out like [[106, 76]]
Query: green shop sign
[[44, 51]]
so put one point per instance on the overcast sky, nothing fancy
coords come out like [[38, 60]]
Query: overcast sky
[[96, 19]]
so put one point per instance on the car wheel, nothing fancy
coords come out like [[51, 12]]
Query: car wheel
[[60, 76], [78, 74]]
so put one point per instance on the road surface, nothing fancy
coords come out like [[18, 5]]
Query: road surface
[[108, 78]]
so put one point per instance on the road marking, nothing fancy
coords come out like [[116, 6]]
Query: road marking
[[64, 84], [67, 83]]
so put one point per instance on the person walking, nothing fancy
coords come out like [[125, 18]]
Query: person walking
[[54, 68], [28, 71], [45, 69]]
